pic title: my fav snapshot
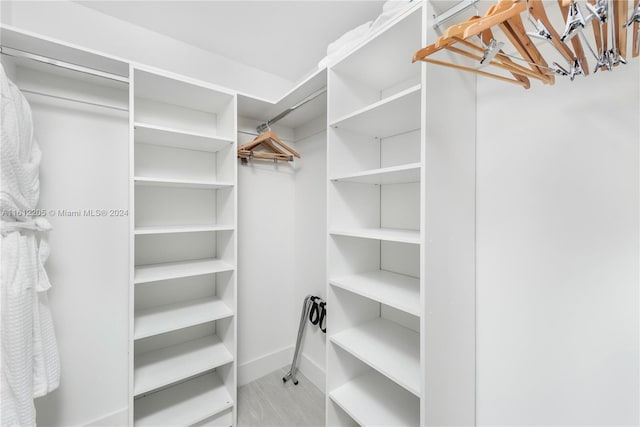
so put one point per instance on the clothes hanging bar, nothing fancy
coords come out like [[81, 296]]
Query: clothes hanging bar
[[4, 50], [266, 125], [81, 101], [453, 11]]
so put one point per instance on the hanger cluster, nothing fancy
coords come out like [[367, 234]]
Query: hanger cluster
[[610, 25], [273, 149]]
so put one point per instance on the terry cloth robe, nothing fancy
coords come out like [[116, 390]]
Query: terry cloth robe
[[30, 362]]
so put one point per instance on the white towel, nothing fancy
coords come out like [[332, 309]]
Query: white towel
[[345, 43], [390, 9], [350, 39], [30, 362]]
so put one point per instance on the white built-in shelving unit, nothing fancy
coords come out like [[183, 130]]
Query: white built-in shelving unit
[[375, 165], [183, 253], [401, 233], [400, 240]]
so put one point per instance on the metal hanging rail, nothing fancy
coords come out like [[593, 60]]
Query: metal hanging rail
[[4, 50], [266, 125], [453, 11]]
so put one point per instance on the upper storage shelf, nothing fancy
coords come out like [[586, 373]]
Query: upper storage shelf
[[378, 69], [182, 113], [165, 182], [261, 110], [43, 46], [159, 135], [391, 116], [172, 91], [391, 175]]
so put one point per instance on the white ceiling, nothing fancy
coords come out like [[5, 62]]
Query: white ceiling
[[285, 38]]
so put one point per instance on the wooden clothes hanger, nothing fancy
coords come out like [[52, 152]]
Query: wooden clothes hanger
[[537, 11], [270, 141], [506, 14], [448, 44], [497, 14], [575, 41], [635, 18], [620, 12], [597, 32]]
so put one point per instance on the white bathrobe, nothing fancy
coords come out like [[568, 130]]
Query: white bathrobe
[[30, 363]]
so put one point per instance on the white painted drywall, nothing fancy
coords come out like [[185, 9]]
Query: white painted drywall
[[84, 166], [267, 317], [310, 238], [557, 251], [448, 267], [281, 253], [73, 23]]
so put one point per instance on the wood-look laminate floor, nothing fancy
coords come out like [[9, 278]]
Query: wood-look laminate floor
[[268, 402]]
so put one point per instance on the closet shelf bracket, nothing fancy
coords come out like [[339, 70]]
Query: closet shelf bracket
[[267, 125]]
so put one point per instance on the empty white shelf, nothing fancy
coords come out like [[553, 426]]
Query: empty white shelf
[[373, 400], [175, 270], [387, 234], [394, 115], [158, 135], [391, 175], [158, 320], [192, 95], [171, 229], [183, 404], [395, 290], [389, 348], [158, 368], [169, 182]]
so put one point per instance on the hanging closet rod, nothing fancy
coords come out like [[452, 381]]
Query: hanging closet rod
[[81, 101], [22, 54], [453, 11], [265, 126]]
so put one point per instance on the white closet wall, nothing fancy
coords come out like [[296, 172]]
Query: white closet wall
[[71, 22], [449, 340], [281, 252], [266, 254], [310, 239], [558, 338], [84, 167]]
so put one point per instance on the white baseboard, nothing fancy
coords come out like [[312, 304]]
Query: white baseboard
[[314, 372], [118, 418], [257, 368]]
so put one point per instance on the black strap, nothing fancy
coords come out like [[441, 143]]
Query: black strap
[[323, 313], [314, 314]]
